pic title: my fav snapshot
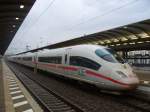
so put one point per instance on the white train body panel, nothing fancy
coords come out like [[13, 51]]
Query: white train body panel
[[108, 75]]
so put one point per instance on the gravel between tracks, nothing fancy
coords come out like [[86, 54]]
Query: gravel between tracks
[[90, 100]]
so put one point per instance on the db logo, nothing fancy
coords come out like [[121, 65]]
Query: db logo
[[82, 71]]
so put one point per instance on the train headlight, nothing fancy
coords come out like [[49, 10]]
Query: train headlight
[[122, 75]]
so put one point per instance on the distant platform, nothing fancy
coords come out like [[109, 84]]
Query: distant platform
[[142, 68], [144, 74]]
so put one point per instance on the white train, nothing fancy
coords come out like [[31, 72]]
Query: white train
[[93, 64]]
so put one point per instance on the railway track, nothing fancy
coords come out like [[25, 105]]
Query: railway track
[[131, 100], [50, 100], [135, 102]]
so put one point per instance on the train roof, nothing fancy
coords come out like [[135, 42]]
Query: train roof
[[79, 48], [45, 51], [76, 46]]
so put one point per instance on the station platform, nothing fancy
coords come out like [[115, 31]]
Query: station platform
[[13, 95], [144, 74]]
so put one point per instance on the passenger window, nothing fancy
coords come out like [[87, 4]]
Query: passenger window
[[84, 62], [55, 60]]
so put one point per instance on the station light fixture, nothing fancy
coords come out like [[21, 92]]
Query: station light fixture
[[107, 41], [125, 43], [146, 36], [112, 45], [133, 37], [124, 39], [115, 40], [21, 6], [147, 41], [101, 42], [139, 42], [17, 18], [132, 43], [118, 44], [143, 35]]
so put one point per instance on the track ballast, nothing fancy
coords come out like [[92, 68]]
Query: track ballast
[[50, 101]]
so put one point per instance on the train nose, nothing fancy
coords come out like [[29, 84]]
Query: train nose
[[133, 86], [133, 82]]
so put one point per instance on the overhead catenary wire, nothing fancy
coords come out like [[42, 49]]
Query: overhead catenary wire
[[38, 18], [52, 2], [44, 11], [104, 14]]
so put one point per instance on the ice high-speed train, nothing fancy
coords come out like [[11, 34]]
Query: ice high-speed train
[[93, 64]]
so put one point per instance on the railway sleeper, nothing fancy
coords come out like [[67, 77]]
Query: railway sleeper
[[60, 106], [62, 109]]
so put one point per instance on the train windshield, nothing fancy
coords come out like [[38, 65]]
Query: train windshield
[[109, 55]]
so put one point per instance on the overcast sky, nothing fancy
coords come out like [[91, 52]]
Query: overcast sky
[[53, 21]]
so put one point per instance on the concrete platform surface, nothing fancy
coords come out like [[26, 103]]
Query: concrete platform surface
[[17, 98], [2, 100]]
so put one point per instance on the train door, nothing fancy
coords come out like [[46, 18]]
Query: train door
[[35, 63], [66, 61], [67, 56]]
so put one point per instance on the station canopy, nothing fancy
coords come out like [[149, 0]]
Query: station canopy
[[12, 14], [130, 37]]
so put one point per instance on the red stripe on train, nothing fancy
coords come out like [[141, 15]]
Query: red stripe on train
[[49, 65], [63, 67], [104, 77], [68, 68], [88, 72]]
